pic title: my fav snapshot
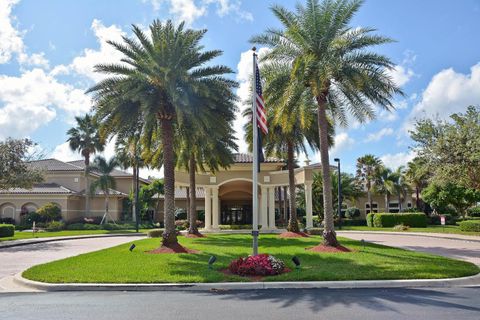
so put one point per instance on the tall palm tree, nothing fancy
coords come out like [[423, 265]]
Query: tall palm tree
[[292, 125], [368, 168], [105, 181], [401, 186], [165, 71], [387, 181], [206, 143], [86, 139], [417, 175], [331, 60]]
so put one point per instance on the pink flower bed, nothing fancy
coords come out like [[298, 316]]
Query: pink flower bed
[[260, 265]]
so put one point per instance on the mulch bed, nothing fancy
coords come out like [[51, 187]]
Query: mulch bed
[[290, 234], [194, 235], [176, 248], [227, 272], [329, 249]]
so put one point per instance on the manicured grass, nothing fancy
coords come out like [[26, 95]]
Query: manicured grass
[[28, 235], [118, 265], [429, 229]]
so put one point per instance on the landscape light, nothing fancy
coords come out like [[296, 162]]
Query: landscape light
[[363, 243], [296, 261], [132, 247], [211, 261]]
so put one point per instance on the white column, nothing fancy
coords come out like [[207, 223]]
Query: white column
[[215, 205], [208, 208], [271, 208], [308, 201], [263, 218]]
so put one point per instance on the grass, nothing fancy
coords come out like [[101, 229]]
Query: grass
[[429, 229], [19, 235], [118, 265]]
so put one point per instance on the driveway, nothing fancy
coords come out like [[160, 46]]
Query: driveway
[[457, 247], [16, 259]]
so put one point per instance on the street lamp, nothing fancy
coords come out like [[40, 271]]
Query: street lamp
[[337, 160]]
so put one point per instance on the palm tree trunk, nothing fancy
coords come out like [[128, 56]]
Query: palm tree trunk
[[87, 186], [193, 200], [169, 236], [387, 202], [188, 203], [329, 235], [417, 200], [106, 206], [134, 188], [285, 203], [292, 222]]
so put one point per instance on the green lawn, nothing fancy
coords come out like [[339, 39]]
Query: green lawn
[[118, 265], [28, 235], [429, 229]]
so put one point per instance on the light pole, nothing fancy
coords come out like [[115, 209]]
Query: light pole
[[337, 160]]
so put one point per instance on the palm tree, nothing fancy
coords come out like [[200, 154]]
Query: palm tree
[[417, 175], [387, 181], [331, 60], [292, 125], [165, 72], [86, 139], [401, 186], [207, 141], [105, 181], [368, 168]]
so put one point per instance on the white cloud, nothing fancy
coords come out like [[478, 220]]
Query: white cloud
[[191, 10], [30, 101], [11, 39], [342, 142], [84, 64], [379, 135], [396, 160], [448, 92], [401, 75]]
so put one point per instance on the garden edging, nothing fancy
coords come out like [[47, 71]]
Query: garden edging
[[471, 281]]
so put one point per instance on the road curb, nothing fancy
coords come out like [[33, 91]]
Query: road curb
[[415, 234], [17, 243], [471, 281]]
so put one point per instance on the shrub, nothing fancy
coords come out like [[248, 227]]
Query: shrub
[[112, 226], [32, 217], [315, 231], [155, 233], [401, 227], [7, 221], [352, 222], [83, 226], [474, 212], [259, 265], [470, 225], [7, 230], [55, 226], [50, 212], [370, 219], [435, 220], [352, 212], [410, 210], [387, 220]]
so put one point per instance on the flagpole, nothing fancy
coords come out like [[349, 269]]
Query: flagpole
[[255, 161]]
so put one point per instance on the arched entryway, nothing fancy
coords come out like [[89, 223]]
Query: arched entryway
[[7, 211], [235, 202]]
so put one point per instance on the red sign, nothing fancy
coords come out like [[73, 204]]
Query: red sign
[[442, 220]]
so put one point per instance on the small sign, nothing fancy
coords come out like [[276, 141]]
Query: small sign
[[442, 220]]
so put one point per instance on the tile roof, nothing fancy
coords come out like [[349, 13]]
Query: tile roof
[[40, 188], [248, 158], [115, 172], [54, 165]]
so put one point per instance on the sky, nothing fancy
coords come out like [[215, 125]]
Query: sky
[[48, 49]]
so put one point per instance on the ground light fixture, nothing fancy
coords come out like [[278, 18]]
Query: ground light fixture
[[363, 244], [211, 261], [296, 261], [132, 247]]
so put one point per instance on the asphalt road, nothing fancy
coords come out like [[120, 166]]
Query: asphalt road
[[371, 304]]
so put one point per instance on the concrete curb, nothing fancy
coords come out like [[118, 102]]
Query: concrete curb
[[416, 234], [472, 281], [26, 242]]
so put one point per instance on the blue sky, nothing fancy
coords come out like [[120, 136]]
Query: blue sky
[[48, 49]]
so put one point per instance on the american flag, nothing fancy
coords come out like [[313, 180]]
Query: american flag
[[260, 103]]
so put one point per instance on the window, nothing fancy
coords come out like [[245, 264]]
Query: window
[[393, 207], [374, 207]]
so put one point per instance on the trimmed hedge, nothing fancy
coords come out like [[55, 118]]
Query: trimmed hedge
[[474, 212], [155, 233], [7, 230], [351, 222], [389, 220], [370, 219], [470, 225]]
